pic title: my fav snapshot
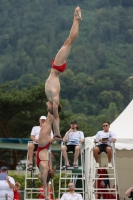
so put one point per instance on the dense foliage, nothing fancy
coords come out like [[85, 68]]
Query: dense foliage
[[20, 110], [95, 87], [100, 61]]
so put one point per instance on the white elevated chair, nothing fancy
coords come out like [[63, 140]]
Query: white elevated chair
[[72, 174], [94, 175]]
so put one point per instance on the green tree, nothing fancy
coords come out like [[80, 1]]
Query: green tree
[[20, 111]]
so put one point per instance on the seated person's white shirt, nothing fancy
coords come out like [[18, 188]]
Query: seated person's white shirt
[[5, 189], [73, 196], [36, 130], [102, 134], [74, 137]]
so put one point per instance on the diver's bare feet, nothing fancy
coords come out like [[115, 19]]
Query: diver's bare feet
[[77, 13]]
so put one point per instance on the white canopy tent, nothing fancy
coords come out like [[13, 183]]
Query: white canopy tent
[[123, 127]]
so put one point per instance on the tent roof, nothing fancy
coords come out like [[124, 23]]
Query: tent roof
[[123, 127], [123, 124]]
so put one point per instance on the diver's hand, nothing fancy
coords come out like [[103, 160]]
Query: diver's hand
[[57, 137]]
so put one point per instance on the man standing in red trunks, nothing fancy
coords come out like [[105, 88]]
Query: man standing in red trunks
[[42, 156]]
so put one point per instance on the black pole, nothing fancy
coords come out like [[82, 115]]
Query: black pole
[[6, 196]]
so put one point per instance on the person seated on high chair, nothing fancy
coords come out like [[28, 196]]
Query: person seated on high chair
[[104, 139], [73, 138], [32, 146]]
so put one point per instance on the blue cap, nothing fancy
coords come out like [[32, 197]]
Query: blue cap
[[3, 168]]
